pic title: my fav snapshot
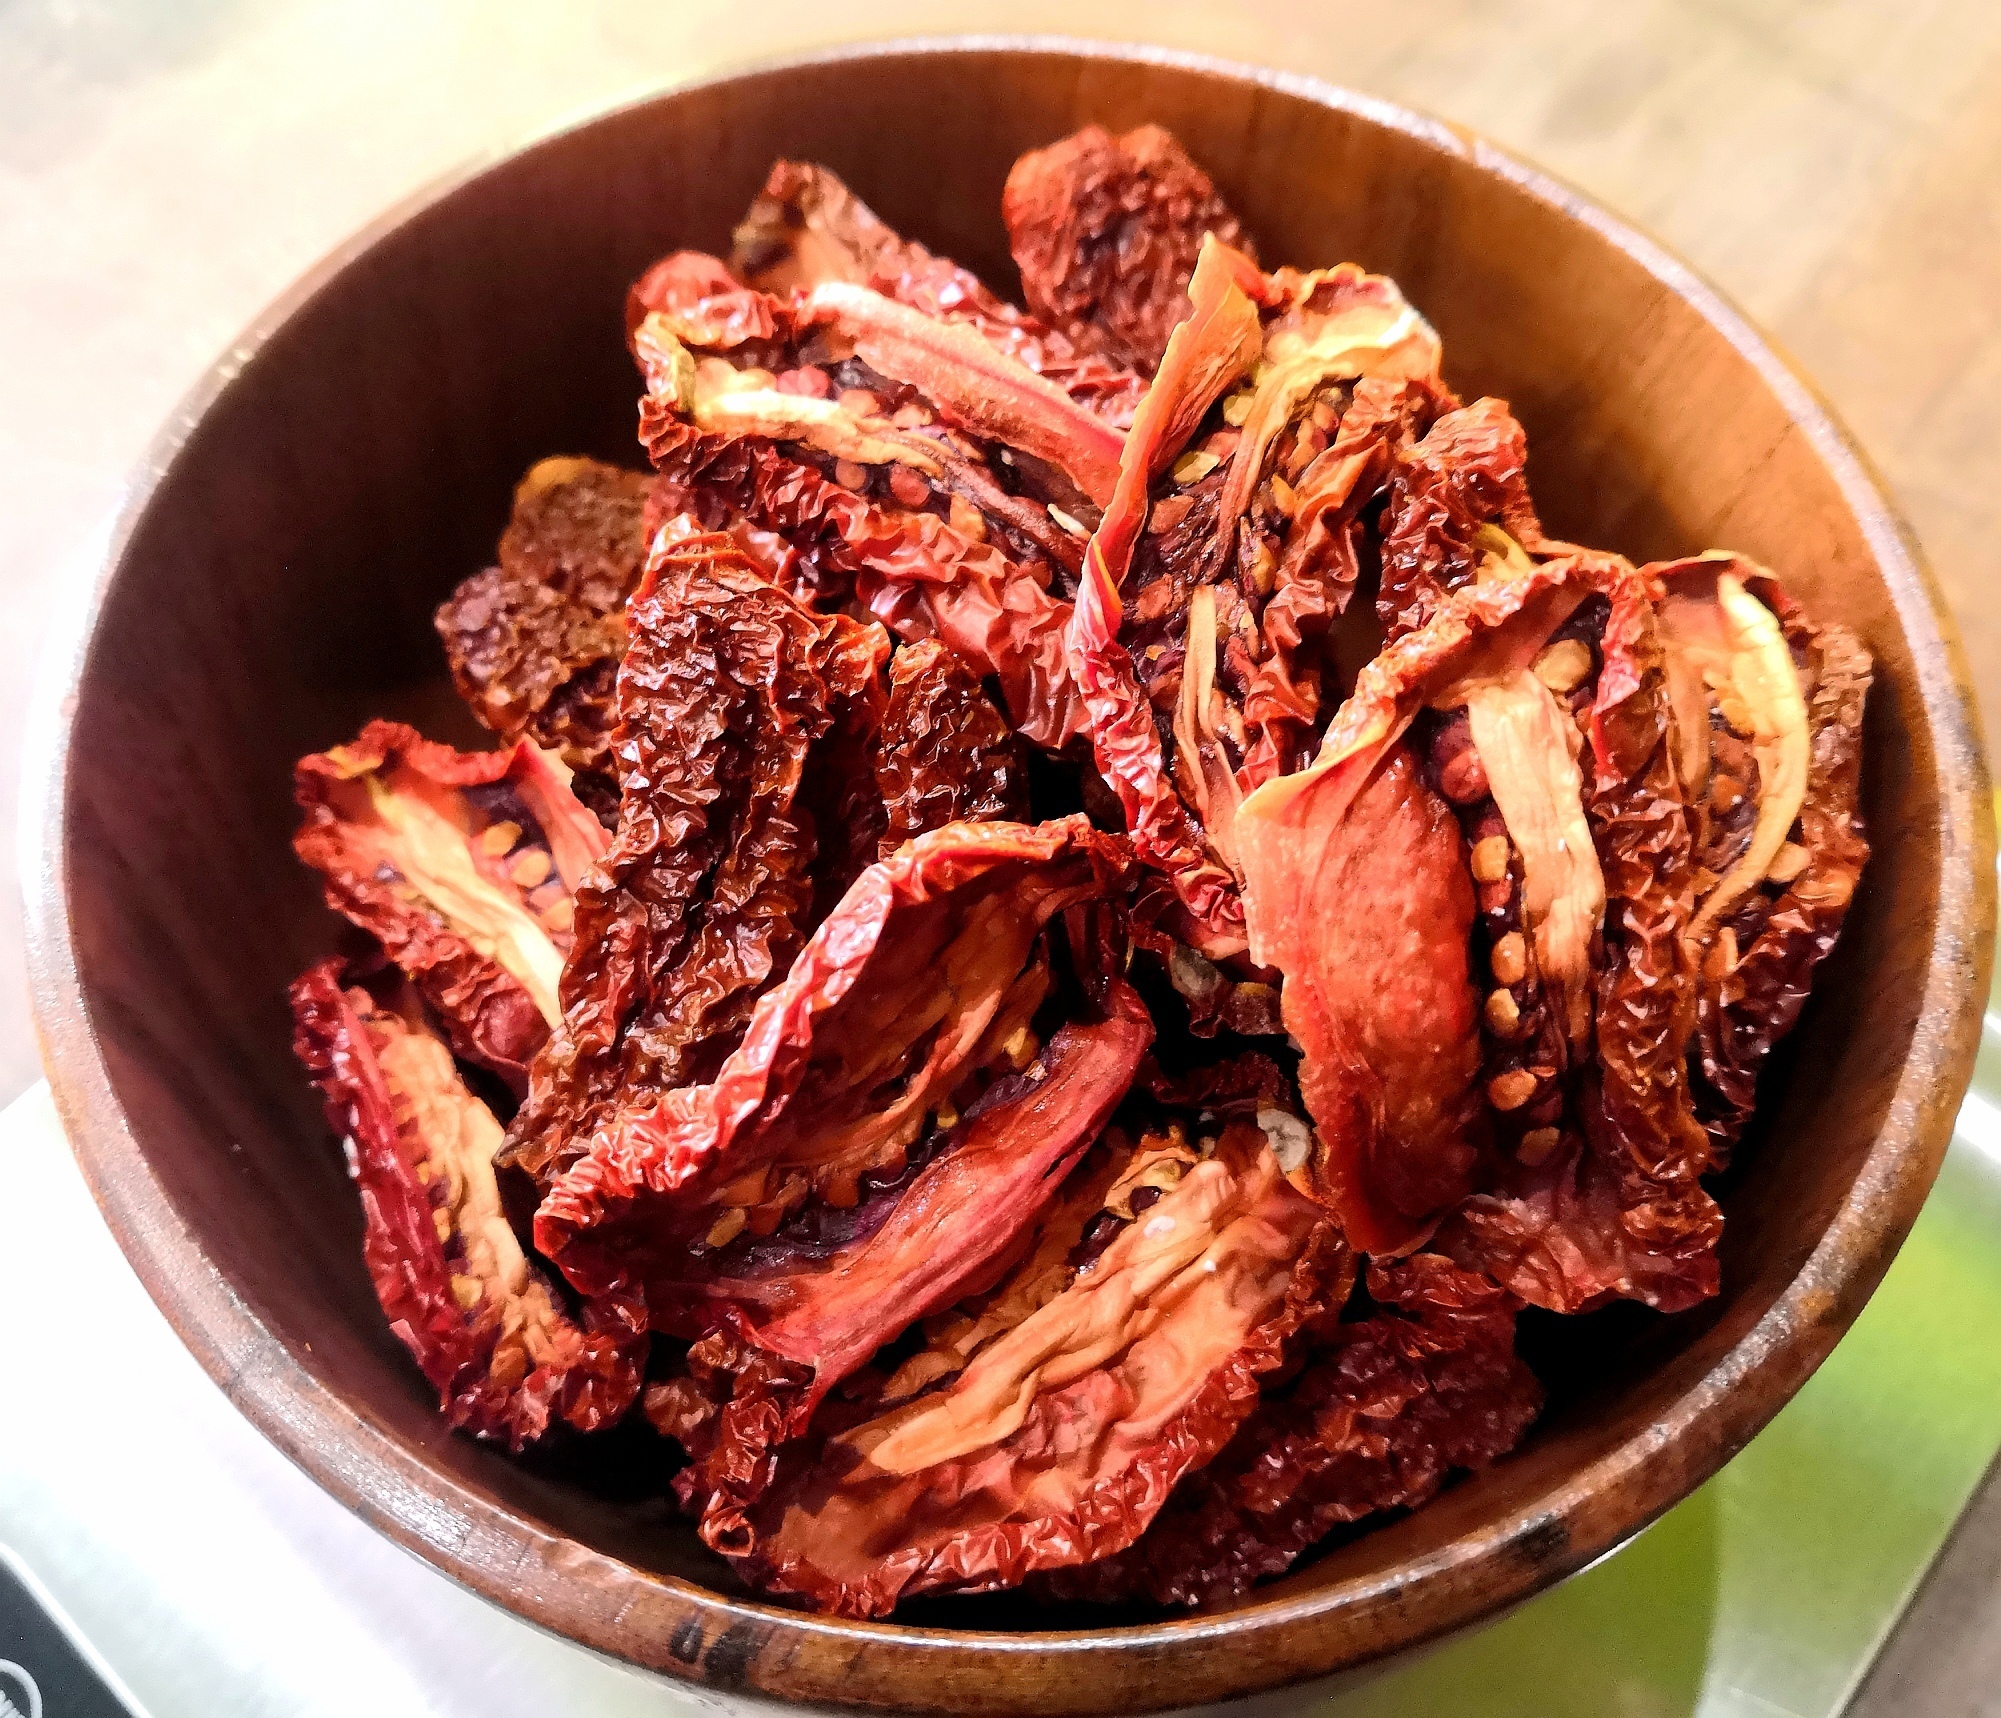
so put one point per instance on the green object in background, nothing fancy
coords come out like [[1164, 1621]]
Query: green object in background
[[1770, 1590]]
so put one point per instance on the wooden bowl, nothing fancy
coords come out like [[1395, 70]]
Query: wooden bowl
[[270, 585]]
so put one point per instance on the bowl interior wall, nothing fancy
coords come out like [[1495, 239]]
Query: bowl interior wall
[[278, 590]]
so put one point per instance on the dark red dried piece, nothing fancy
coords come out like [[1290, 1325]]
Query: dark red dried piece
[[792, 1314], [944, 754], [729, 691], [1387, 1408], [924, 975], [1238, 1086], [463, 866], [824, 1190], [1775, 929], [941, 482], [1207, 682], [1215, 345], [1105, 231], [1371, 933], [480, 1319], [1466, 475], [807, 227], [1062, 1435], [1357, 890], [534, 641], [1620, 1211]]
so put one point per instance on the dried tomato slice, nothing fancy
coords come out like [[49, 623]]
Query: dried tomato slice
[[481, 1320], [534, 641], [1207, 684], [944, 754], [791, 1314], [1063, 1433], [885, 1133], [1770, 713], [1356, 888], [1611, 1204], [1105, 231], [807, 227], [923, 975], [1390, 1404], [733, 698], [945, 516], [1466, 476], [463, 866]]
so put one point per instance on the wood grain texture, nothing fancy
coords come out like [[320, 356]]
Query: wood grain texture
[[270, 584]]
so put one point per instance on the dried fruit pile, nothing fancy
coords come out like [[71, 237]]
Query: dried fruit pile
[[1079, 908]]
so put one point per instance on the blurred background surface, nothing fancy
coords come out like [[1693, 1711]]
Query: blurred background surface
[[168, 166]]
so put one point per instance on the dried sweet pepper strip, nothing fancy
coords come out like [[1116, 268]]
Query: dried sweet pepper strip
[[480, 1319], [463, 866]]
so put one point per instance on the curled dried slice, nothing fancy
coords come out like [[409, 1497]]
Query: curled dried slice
[[924, 407], [1356, 888], [917, 573], [1105, 231], [1757, 968], [1332, 325], [791, 1314], [735, 702], [1732, 668], [534, 641], [1528, 747], [1216, 344], [480, 1319], [914, 982], [1367, 911], [1062, 1436], [807, 227], [972, 384], [1610, 1203], [1300, 547], [704, 304], [944, 754], [1207, 683], [1457, 498], [937, 528], [463, 866], [1387, 1407]]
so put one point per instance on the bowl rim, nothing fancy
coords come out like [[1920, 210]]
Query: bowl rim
[[1539, 1542]]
